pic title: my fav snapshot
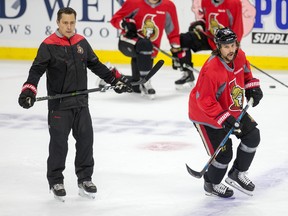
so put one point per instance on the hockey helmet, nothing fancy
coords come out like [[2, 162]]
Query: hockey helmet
[[224, 36]]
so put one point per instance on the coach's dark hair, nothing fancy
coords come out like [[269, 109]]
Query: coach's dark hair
[[65, 10]]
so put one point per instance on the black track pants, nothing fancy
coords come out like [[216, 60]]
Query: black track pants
[[60, 125]]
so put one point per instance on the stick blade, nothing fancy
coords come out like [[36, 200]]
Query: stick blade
[[194, 173], [152, 72]]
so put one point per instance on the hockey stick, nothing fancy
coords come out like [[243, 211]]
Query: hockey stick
[[268, 75], [177, 59], [219, 148], [152, 72]]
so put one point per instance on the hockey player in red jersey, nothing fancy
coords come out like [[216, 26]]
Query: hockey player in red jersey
[[142, 24], [214, 105], [215, 14]]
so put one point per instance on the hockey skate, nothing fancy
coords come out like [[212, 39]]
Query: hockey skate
[[219, 190], [147, 90], [87, 189], [240, 181], [187, 80], [59, 192]]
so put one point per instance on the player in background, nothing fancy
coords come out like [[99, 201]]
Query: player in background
[[214, 105], [142, 24], [211, 15], [65, 57]]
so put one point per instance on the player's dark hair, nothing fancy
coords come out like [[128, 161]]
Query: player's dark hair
[[217, 50], [65, 10]]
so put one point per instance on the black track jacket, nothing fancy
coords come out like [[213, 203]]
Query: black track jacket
[[65, 62]]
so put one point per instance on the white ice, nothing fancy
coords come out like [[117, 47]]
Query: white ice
[[140, 150]]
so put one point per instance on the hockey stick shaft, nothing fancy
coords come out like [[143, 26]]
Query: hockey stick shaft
[[223, 142], [269, 75], [152, 72], [176, 59]]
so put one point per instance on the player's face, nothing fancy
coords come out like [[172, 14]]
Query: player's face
[[66, 25], [228, 51]]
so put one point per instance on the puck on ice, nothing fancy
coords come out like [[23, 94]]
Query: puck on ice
[[272, 86]]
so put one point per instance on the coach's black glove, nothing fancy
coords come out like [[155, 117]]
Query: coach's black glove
[[129, 26], [252, 89], [179, 58], [28, 96], [121, 83]]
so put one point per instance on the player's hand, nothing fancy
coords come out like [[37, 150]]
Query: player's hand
[[179, 59], [232, 122], [129, 25], [28, 96], [252, 89]]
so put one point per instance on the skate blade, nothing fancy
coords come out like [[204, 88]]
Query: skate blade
[[216, 196], [150, 96], [85, 194], [59, 198], [238, 187], [185, 86]]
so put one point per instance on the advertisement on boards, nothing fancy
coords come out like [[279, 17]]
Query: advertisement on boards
[[26, 23]]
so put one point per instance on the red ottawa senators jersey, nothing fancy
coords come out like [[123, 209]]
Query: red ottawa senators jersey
[[151, 20], [226, 14], [219, 88]]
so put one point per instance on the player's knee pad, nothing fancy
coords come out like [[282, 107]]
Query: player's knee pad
[[127, 46], [144, 47], [144, 50], [185, 40], [250, 141]]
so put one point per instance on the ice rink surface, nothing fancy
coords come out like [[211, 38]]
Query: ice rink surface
[[140, 150]]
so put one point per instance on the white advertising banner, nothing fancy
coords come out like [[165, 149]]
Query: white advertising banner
[[25, 23]]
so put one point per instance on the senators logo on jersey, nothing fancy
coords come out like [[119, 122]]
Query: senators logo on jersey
[[80, 50], [237, 96], [149, 29]]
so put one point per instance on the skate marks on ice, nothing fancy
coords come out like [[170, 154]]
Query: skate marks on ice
[[104, 125], [165, 146], [272, 178]]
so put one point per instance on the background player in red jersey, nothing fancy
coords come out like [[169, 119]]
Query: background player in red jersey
[[215, 103], [212, 15], [142, 24]]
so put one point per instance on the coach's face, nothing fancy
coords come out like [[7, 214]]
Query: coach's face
[[66, 25]]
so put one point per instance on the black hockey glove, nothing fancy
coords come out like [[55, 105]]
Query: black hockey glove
[[121, 83], [28, 96], [179, 58], [252, 89], [231, 122], [129, 26]]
